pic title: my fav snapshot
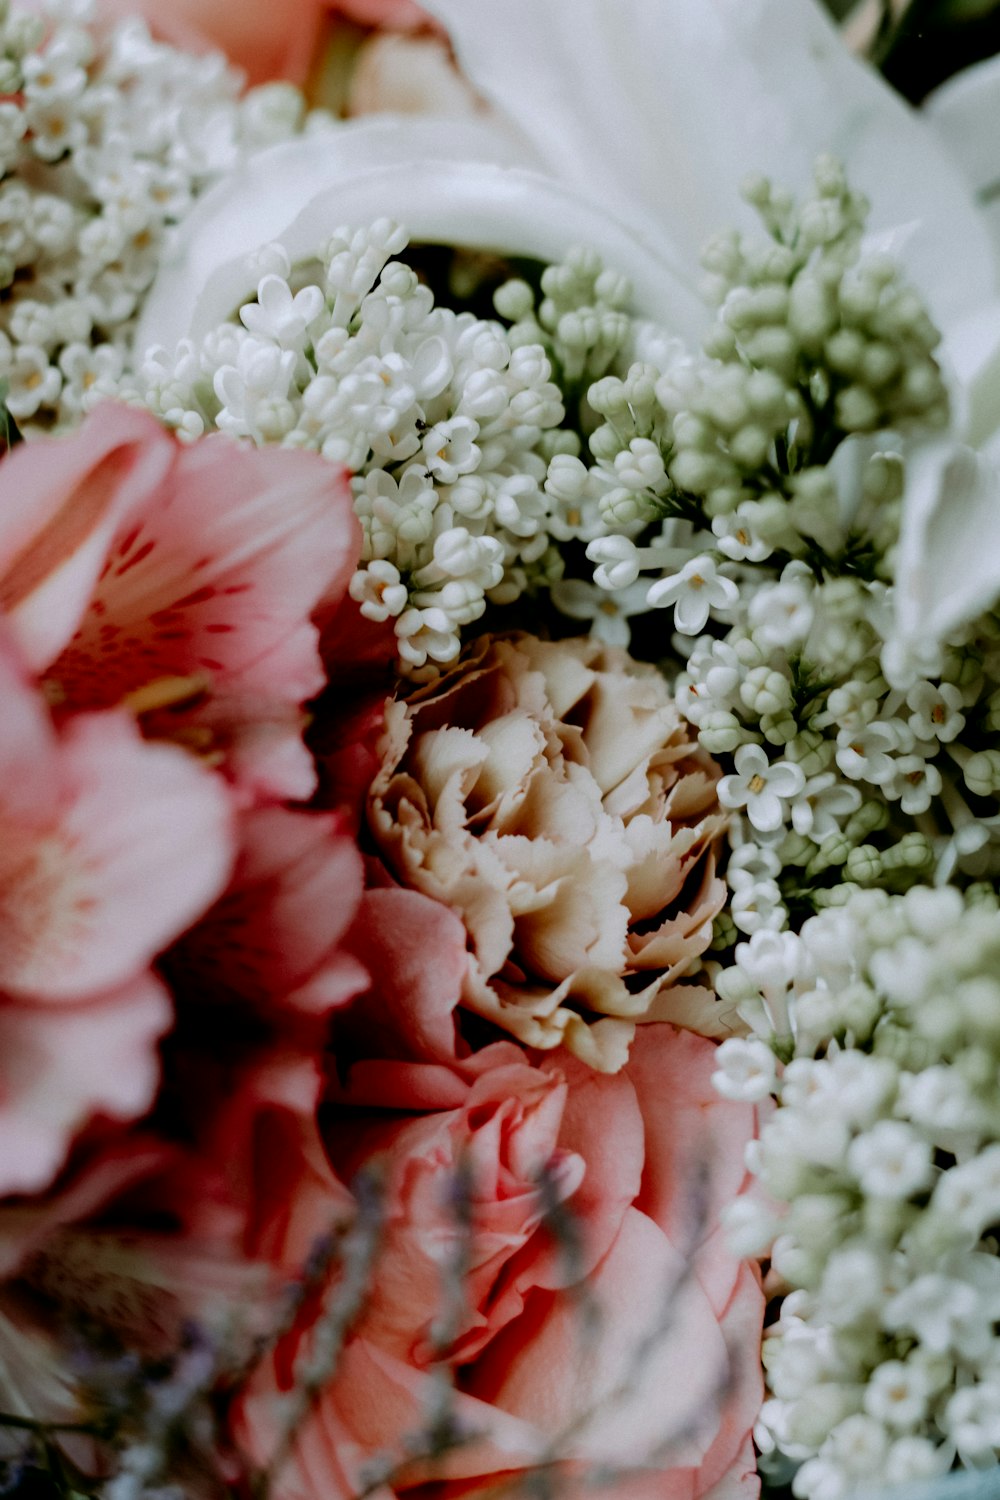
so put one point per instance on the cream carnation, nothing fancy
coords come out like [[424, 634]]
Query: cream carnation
[[550, 795]]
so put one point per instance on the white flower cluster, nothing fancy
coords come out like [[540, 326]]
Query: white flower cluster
[[445, 421], [756, 492], [105, 139], [880, 1178]]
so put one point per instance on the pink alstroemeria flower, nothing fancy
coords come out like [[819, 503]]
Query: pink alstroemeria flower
[[109, 847], [179, 581]]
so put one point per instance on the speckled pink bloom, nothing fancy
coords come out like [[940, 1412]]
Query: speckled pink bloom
[[109, 847], [180, 582]]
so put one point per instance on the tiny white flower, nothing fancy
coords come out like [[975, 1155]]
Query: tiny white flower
[[736, 537], [915, 1458], [969, 1194], [868, 753], [859, 1444], [939, 1099], [694, 592], [781, 614], [762, 787], [823, 805], [279, 315], [745, 1070], [379, 590], [608, 610], [890, 1161], [972, 1421], [459, 554], [426, 635], [917, 782], [898, 1394], [450, 449], [617, 560], [936, 711], [757, 906], [750, 863], [34, 382]]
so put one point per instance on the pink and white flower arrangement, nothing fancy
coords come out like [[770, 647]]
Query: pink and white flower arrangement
[[443, 1053]]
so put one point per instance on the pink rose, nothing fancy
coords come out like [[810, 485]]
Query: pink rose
[[656, 1400], [550, 794]]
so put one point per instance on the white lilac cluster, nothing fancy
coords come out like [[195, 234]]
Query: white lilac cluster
[[755, 493], [447, 421], [877, 1027], [106, 137]]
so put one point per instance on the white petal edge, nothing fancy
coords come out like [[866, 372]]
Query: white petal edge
[[948, 564], [661, 107], [298, 193]]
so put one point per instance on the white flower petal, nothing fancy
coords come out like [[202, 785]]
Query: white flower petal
[[765, 811], [446, 186], [948, 566], [786, 779], [693, 96]]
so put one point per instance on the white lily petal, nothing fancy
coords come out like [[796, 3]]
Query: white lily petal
[[298, 193], [663, 106], [965, 114], [251, 208], [948, 564]]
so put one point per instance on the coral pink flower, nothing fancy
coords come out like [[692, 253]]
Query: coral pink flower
[[109, 847], [179, 581], [264, 38], [660, 1395]]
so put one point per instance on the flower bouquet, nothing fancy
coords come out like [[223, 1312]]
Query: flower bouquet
[[500, 813]]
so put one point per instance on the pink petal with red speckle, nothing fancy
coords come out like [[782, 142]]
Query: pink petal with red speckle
[[120, 846], [218, 577], [62, 503]]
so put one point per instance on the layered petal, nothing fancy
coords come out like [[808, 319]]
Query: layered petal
[[548, 794]]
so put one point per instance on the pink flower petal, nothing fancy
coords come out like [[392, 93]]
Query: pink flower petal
[[218, 576], [62, 502], [59, 1067], [276, 930], [137, 843]]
